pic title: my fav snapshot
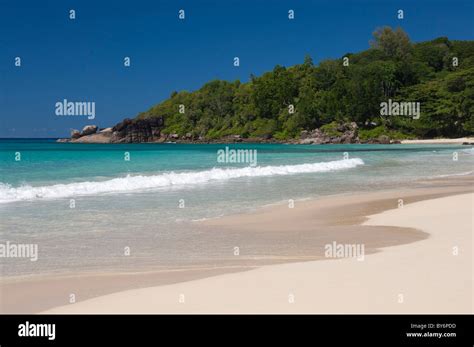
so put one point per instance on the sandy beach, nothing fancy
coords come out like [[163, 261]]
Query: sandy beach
[[418, 259], [457, 141]]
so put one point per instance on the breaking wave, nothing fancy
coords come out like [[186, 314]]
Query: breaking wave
[[142, 182]]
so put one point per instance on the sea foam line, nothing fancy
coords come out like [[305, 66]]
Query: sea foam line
[[140, 182], [466, 173]]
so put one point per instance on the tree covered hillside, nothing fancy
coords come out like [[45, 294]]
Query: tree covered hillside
[[280, 104]]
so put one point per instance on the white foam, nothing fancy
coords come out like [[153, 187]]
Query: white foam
[[466, 173], [140, 182], [468, 150]]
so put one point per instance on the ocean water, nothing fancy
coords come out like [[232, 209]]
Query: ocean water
[[85, 206]]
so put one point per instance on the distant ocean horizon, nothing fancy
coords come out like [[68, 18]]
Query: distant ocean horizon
[[84, 203]]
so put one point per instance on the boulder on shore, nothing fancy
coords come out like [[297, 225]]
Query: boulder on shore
[[106, 131], [89, 130], [75, 134], [348, 133], [94, 138], [138, 130]]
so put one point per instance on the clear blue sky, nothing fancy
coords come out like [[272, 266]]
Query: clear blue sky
[[82, 59]]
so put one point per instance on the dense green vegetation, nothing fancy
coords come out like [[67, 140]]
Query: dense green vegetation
[[332, 93]]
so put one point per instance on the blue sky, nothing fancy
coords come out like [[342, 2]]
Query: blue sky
[[82, 59]]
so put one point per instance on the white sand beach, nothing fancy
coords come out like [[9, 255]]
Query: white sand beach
[[425, 276], [457, 141]]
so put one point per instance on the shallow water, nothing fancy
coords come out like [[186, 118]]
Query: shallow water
[[151, 203]]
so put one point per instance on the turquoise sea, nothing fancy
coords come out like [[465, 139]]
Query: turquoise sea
[[83, 204]]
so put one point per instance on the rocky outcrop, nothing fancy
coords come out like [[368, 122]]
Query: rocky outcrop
[[106, 131], [89, 130], [94, 138], [127, 131], [345, 133], [350, 133], [149, 131], [137, 130], [75, 134], [315, 136], [173, 136]]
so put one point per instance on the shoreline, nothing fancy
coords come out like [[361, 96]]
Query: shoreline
[[340, 216], [100, 139], [419, 277], [469, 141]]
